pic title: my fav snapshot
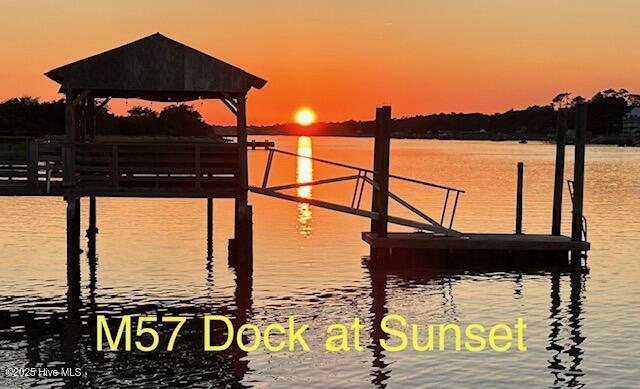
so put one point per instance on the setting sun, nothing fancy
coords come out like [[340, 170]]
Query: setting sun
[[305, 116]]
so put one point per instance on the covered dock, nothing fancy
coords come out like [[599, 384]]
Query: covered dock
[[154, 68]]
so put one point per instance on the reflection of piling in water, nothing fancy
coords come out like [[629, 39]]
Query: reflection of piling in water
[[209, 226], [575, 323], [378, 275], [72, 332], [567, 354], [566, 374], [555, 364], [209, 260], [244, 307]]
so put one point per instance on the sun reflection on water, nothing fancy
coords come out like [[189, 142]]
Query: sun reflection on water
[[304, 173]]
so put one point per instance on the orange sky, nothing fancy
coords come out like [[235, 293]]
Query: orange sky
[[343, 57]]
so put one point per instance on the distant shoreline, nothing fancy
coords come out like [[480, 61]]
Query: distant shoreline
[[613, 140]]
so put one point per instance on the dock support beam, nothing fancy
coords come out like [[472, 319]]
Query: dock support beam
[[209, 223], [380, 198], [243, 242], [68, 153], [242, 245], [578, 180], [558, 184], [92, 229], [519, 198], [73, 245]]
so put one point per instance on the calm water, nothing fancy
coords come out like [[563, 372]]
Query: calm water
[[152, 258]]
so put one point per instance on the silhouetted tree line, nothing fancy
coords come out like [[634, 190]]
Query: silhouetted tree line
[[27, 116], [605, 112]]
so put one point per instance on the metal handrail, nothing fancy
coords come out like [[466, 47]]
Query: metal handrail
[[361, 179], [344, 165]]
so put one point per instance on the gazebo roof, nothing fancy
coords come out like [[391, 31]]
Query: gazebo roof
[[155, 68]]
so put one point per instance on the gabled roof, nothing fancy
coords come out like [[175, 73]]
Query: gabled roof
[[155, 68]]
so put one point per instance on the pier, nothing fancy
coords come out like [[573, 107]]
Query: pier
[[455, 249], [79, 164], [157, 68]]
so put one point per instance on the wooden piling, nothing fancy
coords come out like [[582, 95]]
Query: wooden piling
[[380, 198], [73, 244], [92, 229], [558, 184], [519, 198], [241, 120], [91, 118], [242, 245], [243, 242], [32, 164], [70, 138], [578, 179], [209, 222]]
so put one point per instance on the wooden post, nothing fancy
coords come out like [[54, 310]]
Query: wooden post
[[70, 138], [92, 229], [198, 166], [578, 179], [76, 223], [382, 145], [242, 149], [91, 118], [32, 164], [73, 244], [558, 184], [519, 198], [243, 225], [209, 222]]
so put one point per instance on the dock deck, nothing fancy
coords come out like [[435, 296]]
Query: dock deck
[[521, 242], [477, 250]]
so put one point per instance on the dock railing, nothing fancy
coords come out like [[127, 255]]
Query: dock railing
[[30, 166], [363, 176], [27, 162]]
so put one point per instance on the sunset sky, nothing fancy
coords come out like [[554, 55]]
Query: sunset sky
[[343, 58]]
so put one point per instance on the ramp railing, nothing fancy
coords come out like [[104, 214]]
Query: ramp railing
[[362, 176]]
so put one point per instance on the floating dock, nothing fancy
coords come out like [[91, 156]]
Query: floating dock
[[442, 246], [477, 249], [510, 242]]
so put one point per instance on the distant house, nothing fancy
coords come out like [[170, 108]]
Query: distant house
[[631, 123]]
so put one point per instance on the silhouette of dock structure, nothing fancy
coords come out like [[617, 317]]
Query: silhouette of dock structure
[[436, 241], [154, 68], [157, 68], [455, 249]]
